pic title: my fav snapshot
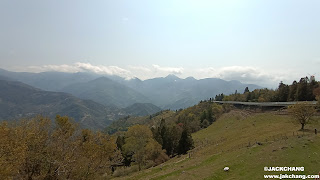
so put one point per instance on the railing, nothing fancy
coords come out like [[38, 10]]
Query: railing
[[271, 104]]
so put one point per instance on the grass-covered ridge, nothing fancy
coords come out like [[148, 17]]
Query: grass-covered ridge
[[246, 142]]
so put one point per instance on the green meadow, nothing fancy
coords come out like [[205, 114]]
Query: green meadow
[[246, 142]]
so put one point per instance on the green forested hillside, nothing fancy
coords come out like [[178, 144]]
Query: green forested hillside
[[141, 109], [124, 123], [246, 142], [304, 90]]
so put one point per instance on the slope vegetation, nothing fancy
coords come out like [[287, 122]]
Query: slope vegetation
[[142, 109], [246, 142]]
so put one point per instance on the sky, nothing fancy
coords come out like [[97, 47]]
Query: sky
[[261, 42]]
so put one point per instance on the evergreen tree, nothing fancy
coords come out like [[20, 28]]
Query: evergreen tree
[[185, 142], [219, 97], [162, 133], [311, 86], [283, 92], [293, 91], [120, 142], [203, 116], [210, 115], [302, 89], [246, 90]]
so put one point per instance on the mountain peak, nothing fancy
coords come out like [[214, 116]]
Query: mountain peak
[[172, 76], [190, 78], [135, 79], [101, 79]]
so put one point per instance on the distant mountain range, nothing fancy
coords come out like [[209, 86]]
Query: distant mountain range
[[169, 92], [94, 100], [49, 81], [18, 100], [172, 92], [107, 92]]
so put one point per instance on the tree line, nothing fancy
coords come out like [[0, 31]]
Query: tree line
[[304, 90]]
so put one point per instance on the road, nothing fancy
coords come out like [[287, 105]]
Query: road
[[268, 104]]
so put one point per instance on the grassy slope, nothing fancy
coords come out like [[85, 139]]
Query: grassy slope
[[225, 144]]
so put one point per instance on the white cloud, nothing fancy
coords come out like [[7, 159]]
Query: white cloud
[[59, 68], [143, 72], [83, 67], [244, 74], [140, 68], [170, 70], [110, 70]]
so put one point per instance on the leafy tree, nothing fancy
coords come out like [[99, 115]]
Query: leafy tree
[[316, 92], [34, 149], [302, 112], [21, 149], [248, 96], [217, 111], [312, 85], [36, 140], [139, 141], [205, 123], [155, 152]]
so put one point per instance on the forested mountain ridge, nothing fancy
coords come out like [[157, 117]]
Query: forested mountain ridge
[[141, 109], [18, 100], [107, 92], [49, 81], [193, 118], [306, 89], [172, 92]]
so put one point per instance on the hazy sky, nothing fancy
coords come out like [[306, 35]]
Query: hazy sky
[[253, 41]]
